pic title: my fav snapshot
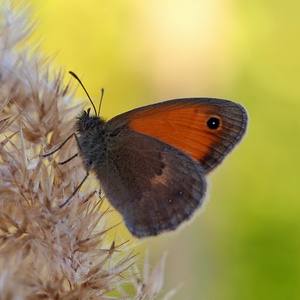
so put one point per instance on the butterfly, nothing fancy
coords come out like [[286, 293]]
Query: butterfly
[[152, 162]]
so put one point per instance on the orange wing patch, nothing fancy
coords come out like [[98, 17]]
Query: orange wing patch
[[184, 128]]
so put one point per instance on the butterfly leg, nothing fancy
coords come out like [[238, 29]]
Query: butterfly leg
[[87, 169], [61, 145], [77, 188], [64, 162]]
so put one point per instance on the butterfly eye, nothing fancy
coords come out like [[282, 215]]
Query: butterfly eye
[[213, 123], [89, 123]]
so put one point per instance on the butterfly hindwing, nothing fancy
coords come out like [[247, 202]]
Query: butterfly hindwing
[[152, 184]]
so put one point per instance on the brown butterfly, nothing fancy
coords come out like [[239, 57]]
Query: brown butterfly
[[152, 161]]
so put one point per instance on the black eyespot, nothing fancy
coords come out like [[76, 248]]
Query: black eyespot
[[213, 123]]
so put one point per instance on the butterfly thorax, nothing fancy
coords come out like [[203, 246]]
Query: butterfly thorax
[[90, 131]]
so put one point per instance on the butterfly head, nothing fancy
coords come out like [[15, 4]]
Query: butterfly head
[[88, 123]]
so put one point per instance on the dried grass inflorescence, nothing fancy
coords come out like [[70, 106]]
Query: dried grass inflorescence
[[47, 252]]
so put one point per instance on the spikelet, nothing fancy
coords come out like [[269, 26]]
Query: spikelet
[[47, 252]]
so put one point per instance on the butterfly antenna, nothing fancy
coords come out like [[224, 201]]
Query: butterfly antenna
[[102, 92], [76, 77]]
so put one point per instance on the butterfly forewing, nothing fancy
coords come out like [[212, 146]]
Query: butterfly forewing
[[185, 124]]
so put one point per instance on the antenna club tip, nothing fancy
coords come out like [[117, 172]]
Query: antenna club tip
[[76, 77], [73, 74]]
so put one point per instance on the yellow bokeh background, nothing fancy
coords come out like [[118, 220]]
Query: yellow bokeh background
[[246, 244]]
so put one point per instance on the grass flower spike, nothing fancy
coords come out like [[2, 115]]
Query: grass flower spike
[[47, 252]]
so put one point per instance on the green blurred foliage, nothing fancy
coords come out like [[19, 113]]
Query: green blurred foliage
[[246, 244]]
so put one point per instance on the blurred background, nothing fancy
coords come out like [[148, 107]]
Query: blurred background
[[246, 244]]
